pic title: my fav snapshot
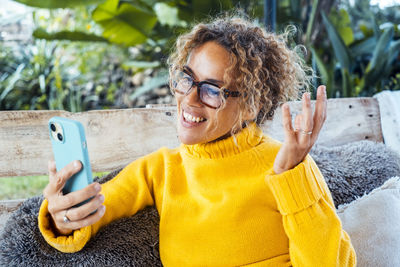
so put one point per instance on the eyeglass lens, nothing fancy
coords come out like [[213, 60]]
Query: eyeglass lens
[[208, 93]]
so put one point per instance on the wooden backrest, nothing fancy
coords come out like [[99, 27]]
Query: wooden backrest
[[117, 137]]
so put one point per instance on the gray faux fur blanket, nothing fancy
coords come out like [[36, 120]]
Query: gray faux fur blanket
[[350, 171]]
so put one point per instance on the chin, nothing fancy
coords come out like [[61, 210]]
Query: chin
[[187, 140]]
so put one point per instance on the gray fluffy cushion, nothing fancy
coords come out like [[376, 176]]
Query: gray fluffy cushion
[[356, 168], [127, 242], [350, 171]]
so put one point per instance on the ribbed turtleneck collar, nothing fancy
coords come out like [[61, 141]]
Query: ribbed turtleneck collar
[[247, 138]]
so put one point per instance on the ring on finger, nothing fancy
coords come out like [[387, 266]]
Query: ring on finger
[[306, 132], [65, 218]]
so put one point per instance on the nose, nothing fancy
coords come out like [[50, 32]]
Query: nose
[[192, 98]]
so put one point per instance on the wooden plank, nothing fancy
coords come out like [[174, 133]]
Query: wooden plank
[[348, 120], [117, 137], [114, 137], [6, 208]]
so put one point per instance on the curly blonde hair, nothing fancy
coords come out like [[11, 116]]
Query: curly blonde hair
[[263, 68]]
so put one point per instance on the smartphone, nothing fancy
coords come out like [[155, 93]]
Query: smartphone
[[69, 143]]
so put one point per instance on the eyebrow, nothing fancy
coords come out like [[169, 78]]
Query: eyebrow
[[207, 80]]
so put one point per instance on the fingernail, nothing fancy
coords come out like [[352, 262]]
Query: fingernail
[[97, 187], [76, 164], [103, 208], [308, 96], [101, 198]]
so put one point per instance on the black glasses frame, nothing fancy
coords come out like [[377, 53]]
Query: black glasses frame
[[225, 92]]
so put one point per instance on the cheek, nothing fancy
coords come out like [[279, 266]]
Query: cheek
[[227, 118], [178, 104]]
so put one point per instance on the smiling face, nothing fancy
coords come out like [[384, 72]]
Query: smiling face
[[198, 123]]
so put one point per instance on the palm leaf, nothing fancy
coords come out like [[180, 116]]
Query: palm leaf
[[13, 79], [321, 66], [379, 56], [311, 20], [203, 8], [339, 48], [392, 56], [67, 35], [140, 64], [375, 70], [363, 47], [153, 83], [51, 4], [124, 24], [375, 27]]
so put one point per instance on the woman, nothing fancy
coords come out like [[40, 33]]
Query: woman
[[228, 195]]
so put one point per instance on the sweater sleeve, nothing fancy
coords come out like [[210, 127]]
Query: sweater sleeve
[[315, 233], [130, 191]]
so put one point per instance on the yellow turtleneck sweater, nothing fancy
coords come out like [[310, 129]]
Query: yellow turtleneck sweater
[[222, 205]]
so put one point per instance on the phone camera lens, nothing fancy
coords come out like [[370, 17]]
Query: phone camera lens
[[53, 127], [59, 136]]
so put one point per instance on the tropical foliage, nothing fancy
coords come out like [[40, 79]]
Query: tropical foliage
[[91, 54], [54, 75], [364, 61]]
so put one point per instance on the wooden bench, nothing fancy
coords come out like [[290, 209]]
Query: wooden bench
[[117, 137]]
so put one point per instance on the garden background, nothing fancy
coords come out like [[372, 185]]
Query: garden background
[[102, 54]]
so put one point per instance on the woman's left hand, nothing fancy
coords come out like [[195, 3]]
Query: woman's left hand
[[298, 141]]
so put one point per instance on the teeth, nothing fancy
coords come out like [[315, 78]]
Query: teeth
[[189, 117]]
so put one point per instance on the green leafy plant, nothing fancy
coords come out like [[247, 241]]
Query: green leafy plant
[[124, 23], [40, 33], [54, 75], [152, 26], [57, 4], [29, 73], [362, 67]]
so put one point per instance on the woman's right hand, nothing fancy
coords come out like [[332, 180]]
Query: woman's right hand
[[60, 205]]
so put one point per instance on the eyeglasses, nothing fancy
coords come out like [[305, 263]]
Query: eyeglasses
[[209, 93]]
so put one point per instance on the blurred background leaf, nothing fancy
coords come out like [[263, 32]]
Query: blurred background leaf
[[58, 4], [124, 23], [40, 33]]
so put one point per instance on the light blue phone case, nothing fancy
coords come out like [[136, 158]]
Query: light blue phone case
[[72, 147]]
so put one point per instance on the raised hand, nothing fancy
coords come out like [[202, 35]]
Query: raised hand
[[65, 216], [300, 139]]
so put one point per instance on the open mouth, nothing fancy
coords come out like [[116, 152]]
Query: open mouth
[[192, 119]]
